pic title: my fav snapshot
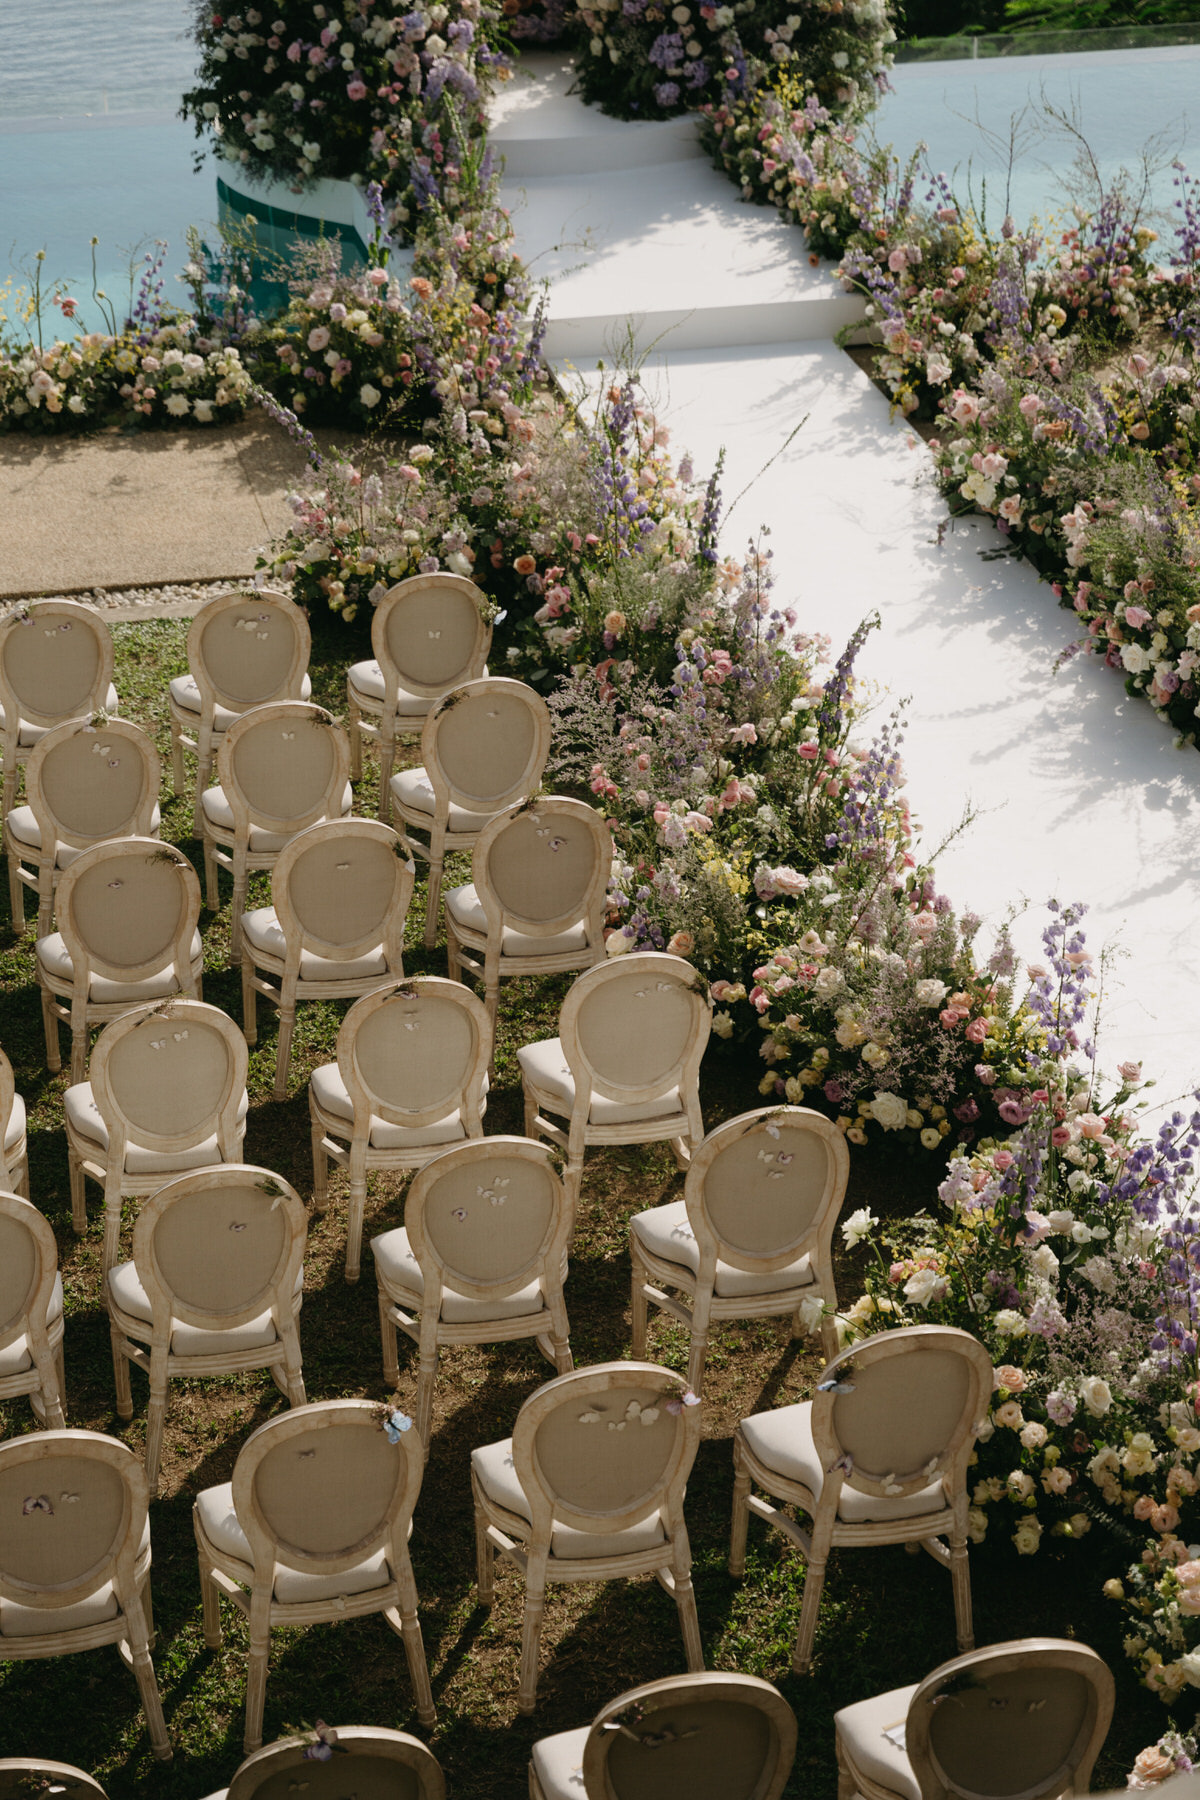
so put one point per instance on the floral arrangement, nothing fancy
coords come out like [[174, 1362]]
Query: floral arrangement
[[643, 59], [1068, 1249], [346, 90], [1173, 1754], [155, 368]]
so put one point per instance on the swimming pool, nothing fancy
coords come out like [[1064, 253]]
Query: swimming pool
[[90, 144], [1121, 98]]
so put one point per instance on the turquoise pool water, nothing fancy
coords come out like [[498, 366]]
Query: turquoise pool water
[[90, 144], [1121, 99]]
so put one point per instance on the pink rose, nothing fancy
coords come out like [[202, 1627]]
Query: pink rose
[[1136, 616], [1060, 1137], [356, 90], [976, 1031]]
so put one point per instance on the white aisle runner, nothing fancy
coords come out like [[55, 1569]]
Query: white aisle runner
[[1080, 792]]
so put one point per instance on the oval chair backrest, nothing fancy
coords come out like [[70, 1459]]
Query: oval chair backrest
[[128, 907], [710, 1736], [28, 1265], [170, 1075], [544, 867], [247, 649], [320, 1487], [72, 1503], [86, 783], [29, 1778], [378, 1764], [636, 1028], [766, 1188], [909, 1407], [220, 1246], [485, 1218], [342, 887], [414, 1052], [283, 766], [429, 634], [485, 744], [1018, 1720], [604, 1447], [56, 662]]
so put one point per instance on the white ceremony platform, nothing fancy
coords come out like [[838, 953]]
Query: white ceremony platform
[[1079, 791]]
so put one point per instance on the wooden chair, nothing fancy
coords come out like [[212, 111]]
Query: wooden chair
[[386, 1765], [708, 1736], [282, 768], [214, 1288], [481, 1259], [31, 1310], [410, 1080], [535, 905], [24, 1778], [429, 634], [167, 1094], [340, 893], [625, 1068], [75, 1556], [56, 663], [753, 1235], [14, 1145], [483, 747], [590, 1486], [243, 650], [879, 1455], [1022, 1720], [315, 1526], [84, 785], [127, 914]]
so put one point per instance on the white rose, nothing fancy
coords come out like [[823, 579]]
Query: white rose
[[1061, 1221], [178, 404], [617, 943], [828, 982], [812, 1312], [1027, 1537], [722, 1024], [1010, 1323], [1096, 1395], [77, 403], [924, 1286], [1189, 1667], [369, 395], [890, 1111], [857, 1226], [930, 992]]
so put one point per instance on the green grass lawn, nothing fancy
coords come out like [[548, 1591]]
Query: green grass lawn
[[886, 1617]]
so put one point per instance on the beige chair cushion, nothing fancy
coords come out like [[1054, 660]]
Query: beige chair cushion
[[14, 1131], [59, 969], [665, 1232], [214, 1507], [466, 909], [782, 1440], [186, 696], [558, 1764], [329, 1091], [189, 1340], [219, 815], [262, 932], [23, 826], [860, 1729], [366, 683], [400, 1273], [33, 734], [15, 1357], [545, 1068], [493, 1465], [83, 1117], [413, 791]]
